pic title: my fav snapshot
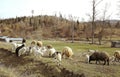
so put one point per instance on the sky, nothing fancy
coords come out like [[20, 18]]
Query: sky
[[78, 9]]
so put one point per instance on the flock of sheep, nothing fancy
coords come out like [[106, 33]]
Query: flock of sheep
[[37, 49], [98, 56]]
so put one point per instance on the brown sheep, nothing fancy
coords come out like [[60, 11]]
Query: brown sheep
[[99, 56], [67, 51], [117, 55], [39, 43], [33, 42]]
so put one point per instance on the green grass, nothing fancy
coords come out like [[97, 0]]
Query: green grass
[[91, 70], [78, 64]]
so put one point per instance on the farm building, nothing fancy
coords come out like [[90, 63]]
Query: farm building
[[115, 44], [8, 39]]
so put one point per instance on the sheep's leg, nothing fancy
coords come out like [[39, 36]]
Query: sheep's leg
[[89, 61], [96, 61], [107, 62], [62, 55], [104, 62]]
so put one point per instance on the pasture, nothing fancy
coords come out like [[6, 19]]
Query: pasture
[[26, 66]]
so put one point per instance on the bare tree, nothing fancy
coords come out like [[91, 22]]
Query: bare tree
[[72, 27], [94, 13], [103, 23], [101, 32]]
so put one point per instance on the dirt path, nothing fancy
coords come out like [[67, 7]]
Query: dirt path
[[27, 67]]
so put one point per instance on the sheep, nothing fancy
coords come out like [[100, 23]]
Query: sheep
[[20, 47], [24, 50], [14, 46], [36, 50], [33, 42], [39, 43], [117, 55], [44, 51], [23, 41], [58, 57], [50, 50], [86, 57], [67, 51], [90, 52], [99, 56]]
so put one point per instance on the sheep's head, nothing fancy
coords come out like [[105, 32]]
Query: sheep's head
[[33, 42], [23, 41], [49, 46], [39, 43]]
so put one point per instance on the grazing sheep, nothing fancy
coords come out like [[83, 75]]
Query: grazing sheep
[[90, 52], [112, 58], [33, 42], [67, 51], [36, 50], [99, 56], [44, 51], [31, 47], [117, 55], [20, 47], [57, 56], [23, 41], [86, 56], [14, 46], [24, 50], [39, 43], [50, 50]]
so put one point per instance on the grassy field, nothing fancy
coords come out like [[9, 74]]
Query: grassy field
[[77, 65]]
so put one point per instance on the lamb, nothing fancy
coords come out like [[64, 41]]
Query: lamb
[[117, 55], [67, 51], [36, 50], [86, 57], [58, 57], [24, 50], [14, 46], [20, 47], [99, 56], [44, 51], [39, 43], [50, 50]]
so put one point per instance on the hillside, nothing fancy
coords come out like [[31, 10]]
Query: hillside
[[44, 27]]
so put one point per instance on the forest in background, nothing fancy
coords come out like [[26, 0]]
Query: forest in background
[[53, 27]]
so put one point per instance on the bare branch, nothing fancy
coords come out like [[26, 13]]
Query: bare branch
[[98, 3]]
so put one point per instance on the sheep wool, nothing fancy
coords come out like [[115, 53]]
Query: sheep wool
[[117, 55], [67, 51], [39, 43]]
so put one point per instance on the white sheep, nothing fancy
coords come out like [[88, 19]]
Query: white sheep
[[67, 51], [57, 57], [86, 57], [14, 46], [44, 51], [20, 49], [36, 49], [50, 50], [24, 50]]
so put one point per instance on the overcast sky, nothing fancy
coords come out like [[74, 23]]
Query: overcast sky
[[77, 8]]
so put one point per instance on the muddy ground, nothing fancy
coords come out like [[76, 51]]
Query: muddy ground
[[25, 66]]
